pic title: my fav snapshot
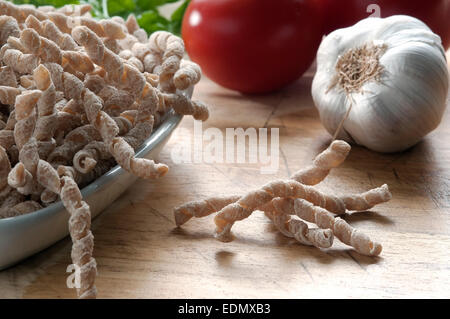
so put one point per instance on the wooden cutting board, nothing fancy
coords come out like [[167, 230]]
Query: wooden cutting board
[[141, 254]]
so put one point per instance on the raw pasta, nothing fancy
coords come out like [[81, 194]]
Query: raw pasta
[[75, 101]]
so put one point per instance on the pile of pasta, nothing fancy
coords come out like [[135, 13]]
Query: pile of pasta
[[78, 96]]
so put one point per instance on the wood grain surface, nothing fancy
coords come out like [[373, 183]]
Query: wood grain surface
[[141, 254]]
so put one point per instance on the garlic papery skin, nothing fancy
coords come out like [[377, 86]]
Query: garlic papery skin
[[394, 108]]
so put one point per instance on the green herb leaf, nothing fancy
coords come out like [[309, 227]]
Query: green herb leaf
[[177, 17], [145, 5], [120, 7], [152, 21]]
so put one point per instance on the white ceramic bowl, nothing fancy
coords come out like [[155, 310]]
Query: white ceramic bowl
[[25, 235]]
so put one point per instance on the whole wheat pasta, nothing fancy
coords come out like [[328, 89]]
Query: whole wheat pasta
[[324, 219], [11, 199], [25, 115], [276, 199], [6, 139], [86, 159], [83, 179], [120, 149], [133, 61], [151, 60], [8, 27], [94, 82], [8, 94], [297, 229], [19, 13], [144, 120], [97, 51], [49, 52], [27, 82], [123, 123], [79, 61], [73, 142], [50, 31], [241, 209], [21, 208], [45, 148], [182, 105], [128, 77], [45, 49], [171, 48], [72, 106], [20, 62], [46, 122], [22, 176], [188, 74], [82, 238], [8, 77], [5, 168], [48, 197], [132, 24], [330, 158], [115, 100]]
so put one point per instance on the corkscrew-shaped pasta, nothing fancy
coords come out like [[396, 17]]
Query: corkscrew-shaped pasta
[[8, 27], [50, 52], [298, 229], [341, 229], [8, 94], [325, 220], [252, 200], [182, 105], [20, 208], [20, 13], [10, 199], [46, 122], [330, 158], [23, 175], [75, 101], [49, 30], [82, 238], [171, 48], [5, 168], [25, 116], [277, 200], [86, 159], [188, 75], [98, 53], [241, 209], [151, 61], [8, 77], [20, 62], [74, 141], [119, 148]]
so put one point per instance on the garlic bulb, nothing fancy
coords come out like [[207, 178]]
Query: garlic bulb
[[381, 83]]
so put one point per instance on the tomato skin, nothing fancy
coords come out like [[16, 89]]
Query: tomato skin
[[252, 46], [435, 13]]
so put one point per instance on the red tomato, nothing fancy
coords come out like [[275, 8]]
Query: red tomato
[[435, 13], [252, 46]]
